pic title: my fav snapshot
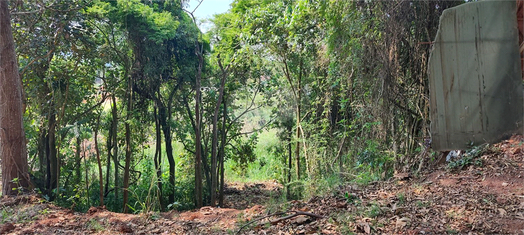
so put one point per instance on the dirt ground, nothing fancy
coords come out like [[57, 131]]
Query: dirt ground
[[484, 197]]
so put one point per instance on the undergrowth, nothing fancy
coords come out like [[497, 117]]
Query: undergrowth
[[470, 157]]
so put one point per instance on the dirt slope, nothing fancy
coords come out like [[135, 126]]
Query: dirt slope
[[483, 195]]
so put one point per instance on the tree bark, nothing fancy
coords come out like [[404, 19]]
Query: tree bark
[[290, 159], [52, 160], [222, 153], [297, 149], [86, 167], [214, 141], [100, 174], [162, 113], [78, 159], [114, 130], [158, 158], [198, 136], [128, 145], [13, 149]]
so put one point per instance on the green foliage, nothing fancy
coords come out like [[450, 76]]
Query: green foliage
[[351, 198], [470, 157], [352, 78], [374, 210]]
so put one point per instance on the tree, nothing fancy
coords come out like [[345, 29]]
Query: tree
[[13, 150]]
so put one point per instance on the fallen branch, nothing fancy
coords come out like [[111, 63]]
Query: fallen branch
[[276, 221], [297, 213]]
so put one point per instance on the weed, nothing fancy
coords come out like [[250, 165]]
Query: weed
[[95, 225], [345, 219], [421, 204], [401, 198], [449, 230], [374, 211], [470, 157], [44, 211], [351, 198], [5, 215]]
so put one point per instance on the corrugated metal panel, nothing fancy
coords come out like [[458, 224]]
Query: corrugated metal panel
[[475, 76]]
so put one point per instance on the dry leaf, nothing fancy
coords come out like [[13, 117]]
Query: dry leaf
[[364, 227], [504, 184], [402, 222], [502, 211], [301, 219], [399, 210]]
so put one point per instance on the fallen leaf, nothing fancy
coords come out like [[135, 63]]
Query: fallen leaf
[[502, 212], [504, 184], [402, 222], [301, 219], [364, 227]]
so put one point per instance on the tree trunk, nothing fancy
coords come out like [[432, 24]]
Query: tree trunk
[[162, 113], [128, 145], [86, 174], [111, 143], [290, 159], [97, 150], [42, 161], [198, 136], [108, 168], [13, 149], [158, 158], [222, 153], [78, 159], [114, 129], [297, 149], [214, 142], [52, 159]]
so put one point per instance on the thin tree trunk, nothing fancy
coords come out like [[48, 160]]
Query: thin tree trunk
[[100, 175], [108, 170], [86, 174], [158, 158], [222, 156], [214, 141], [128, 145], [297, 148], [203, 162], [13, 149], [52, 157], [111, 143], [198, 137], [169, 148], [78, 159], [290, 160], [115, 150], [42, 162]]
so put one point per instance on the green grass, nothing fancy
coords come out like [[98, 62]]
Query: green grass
[[265, 167]]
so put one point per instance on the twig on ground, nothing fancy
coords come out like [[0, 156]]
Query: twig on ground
[[276, 221]]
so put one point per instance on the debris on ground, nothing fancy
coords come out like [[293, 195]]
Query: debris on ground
[[476, 193]]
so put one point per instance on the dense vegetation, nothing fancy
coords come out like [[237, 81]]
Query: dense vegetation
[[128, 104]]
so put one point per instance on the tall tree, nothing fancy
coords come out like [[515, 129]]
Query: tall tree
[[13, 150]]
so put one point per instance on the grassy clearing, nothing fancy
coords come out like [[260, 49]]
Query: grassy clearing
[[265, 167]]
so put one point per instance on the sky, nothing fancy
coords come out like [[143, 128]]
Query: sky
[[207, 9]]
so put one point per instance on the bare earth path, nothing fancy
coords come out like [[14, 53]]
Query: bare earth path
[[482, 198]]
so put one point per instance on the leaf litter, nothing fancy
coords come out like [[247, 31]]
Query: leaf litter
[[485, 197]]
